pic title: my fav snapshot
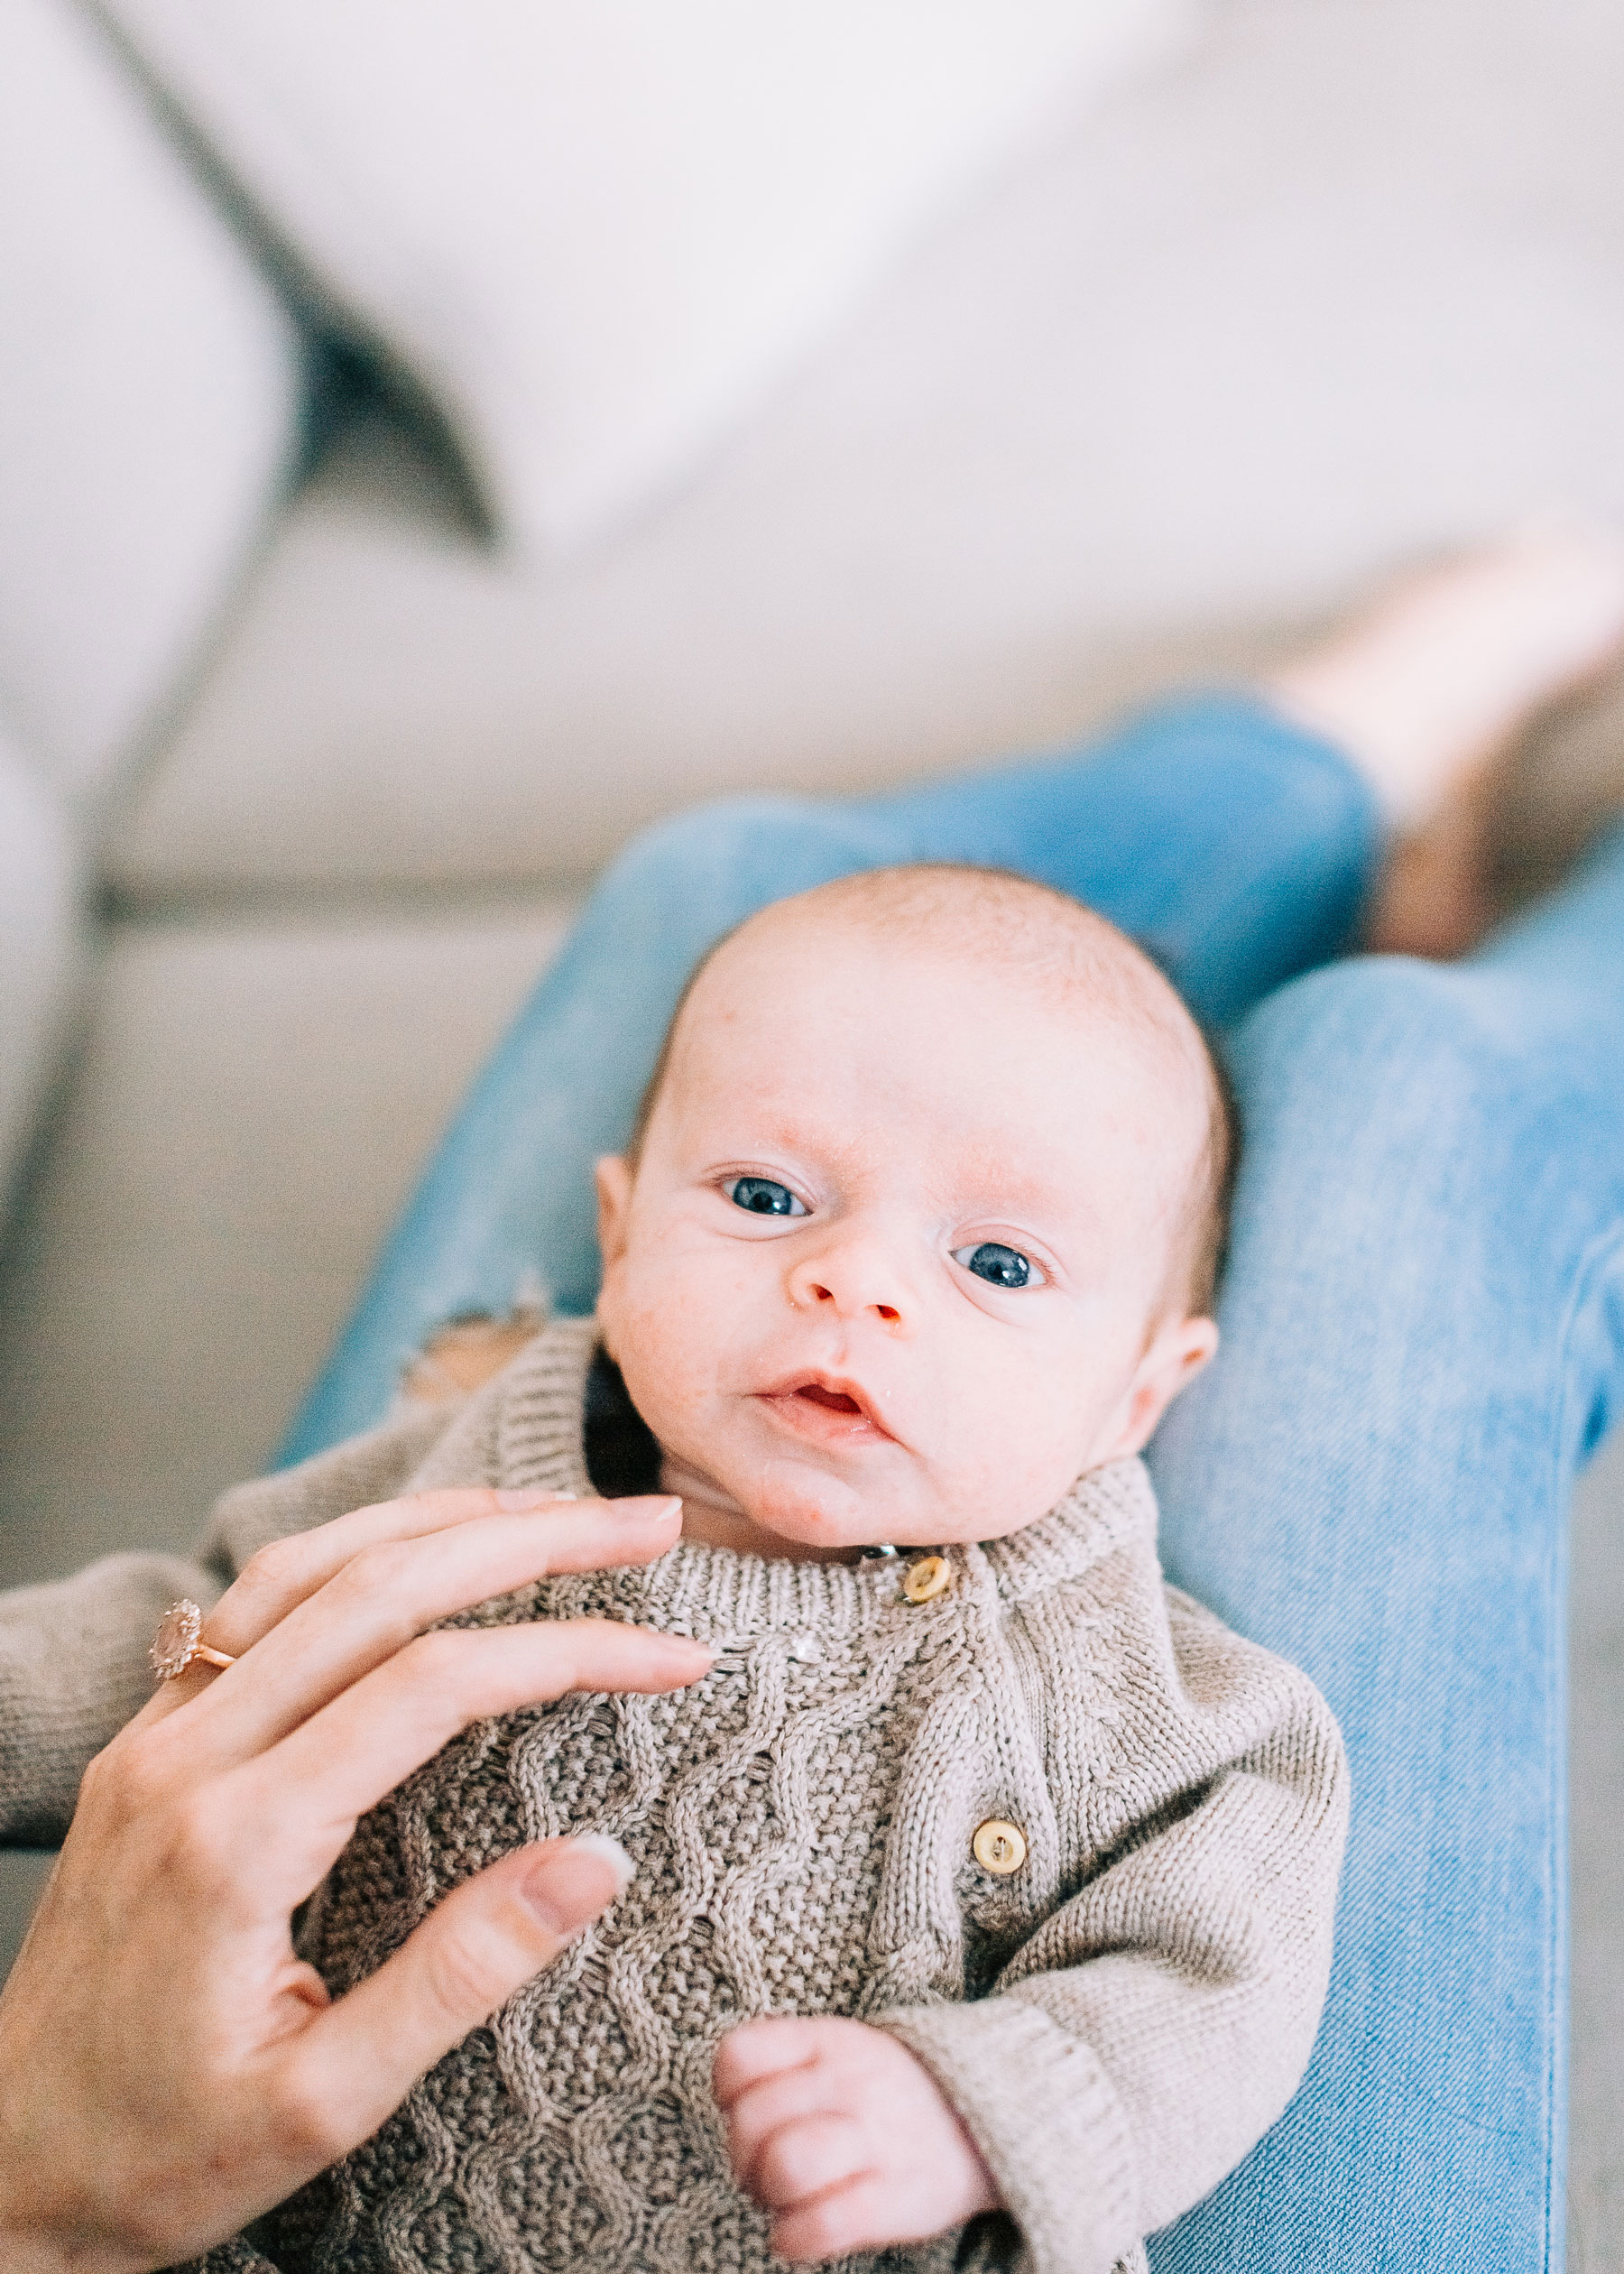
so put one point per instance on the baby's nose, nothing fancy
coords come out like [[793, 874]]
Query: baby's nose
[[887, 1311], [850, 1280]]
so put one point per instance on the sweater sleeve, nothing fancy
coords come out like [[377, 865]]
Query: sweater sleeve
[[239, 2256], [1152, 2028], [73, 1654]]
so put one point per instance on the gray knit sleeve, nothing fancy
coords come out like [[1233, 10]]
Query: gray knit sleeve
[[1144, 2038], [73, 1653], [72, 1671], [239, 2256]]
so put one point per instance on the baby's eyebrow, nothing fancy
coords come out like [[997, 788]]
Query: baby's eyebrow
[[988, 1173], [796, 1142]]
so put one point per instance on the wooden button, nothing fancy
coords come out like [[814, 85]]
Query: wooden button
[[927, 1578], [999, 1847]]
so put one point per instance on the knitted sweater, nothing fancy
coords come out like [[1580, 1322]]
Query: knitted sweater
[[1117, 2020]]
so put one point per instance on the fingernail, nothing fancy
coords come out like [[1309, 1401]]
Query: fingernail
[[644, 1508], [565, 1891], [613, 1853], [514, 1502]]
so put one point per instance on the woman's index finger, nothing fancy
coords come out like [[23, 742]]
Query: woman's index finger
[[287, 1572], [283, 1573], [387, 1592]]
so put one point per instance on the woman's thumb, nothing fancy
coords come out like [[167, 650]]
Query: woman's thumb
[[569, 1882], [470, 1955]]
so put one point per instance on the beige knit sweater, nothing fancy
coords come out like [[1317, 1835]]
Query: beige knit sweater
[[1117, 2020]]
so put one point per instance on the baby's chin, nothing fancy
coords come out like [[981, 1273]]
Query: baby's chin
[[800, 1502], [808, 1504]]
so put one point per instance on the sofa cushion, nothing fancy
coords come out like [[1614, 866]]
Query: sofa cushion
[[42, 943], [591, 233], [149, 393], [244, 1120], [1349, 288]]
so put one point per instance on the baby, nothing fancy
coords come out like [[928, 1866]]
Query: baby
[[979, 1901], [977, 1904]]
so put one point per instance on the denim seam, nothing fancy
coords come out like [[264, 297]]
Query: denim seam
[[1603, 1253]]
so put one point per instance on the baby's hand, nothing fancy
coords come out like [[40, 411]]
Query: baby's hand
[[844, 2137]]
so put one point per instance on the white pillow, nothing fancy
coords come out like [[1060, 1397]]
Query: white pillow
[[150, 387], [592, 232]]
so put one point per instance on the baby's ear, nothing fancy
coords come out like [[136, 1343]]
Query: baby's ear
[[1178, 1350], [614, 1178]]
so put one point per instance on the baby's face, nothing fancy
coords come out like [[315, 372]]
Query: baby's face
[[894, 1262]]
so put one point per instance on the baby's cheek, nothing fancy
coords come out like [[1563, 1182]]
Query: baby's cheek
[[662, 1346], [688, 1335], [1019, 1441]]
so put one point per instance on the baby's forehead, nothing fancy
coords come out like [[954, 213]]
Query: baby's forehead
[[885, 950]]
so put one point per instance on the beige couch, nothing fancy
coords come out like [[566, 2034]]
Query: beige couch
[[301, 770]]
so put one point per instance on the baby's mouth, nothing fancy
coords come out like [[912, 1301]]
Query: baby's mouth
[[836, 1400], [826, 1409]]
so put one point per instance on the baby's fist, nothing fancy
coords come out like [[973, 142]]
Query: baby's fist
[[838, 2131]]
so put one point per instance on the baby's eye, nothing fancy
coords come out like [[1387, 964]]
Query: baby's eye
[[763, 1197], [1002, 1266]]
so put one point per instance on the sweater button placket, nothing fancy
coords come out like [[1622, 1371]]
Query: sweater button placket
[[999, 1846], [927, 1577]]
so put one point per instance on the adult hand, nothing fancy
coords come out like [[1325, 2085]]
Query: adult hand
[[169, 2068], [844, 2137]]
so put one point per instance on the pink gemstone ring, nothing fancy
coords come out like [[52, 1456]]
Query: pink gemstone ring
[[176, 1646]]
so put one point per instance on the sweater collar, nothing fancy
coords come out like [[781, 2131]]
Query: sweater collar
[[539, 1448]]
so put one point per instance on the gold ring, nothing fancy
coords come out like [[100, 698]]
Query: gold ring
[[176, 1646]]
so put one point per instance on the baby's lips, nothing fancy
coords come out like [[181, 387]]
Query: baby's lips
[[833, 1391]]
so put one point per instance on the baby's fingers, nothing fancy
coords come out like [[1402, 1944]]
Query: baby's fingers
[[806, 2157], [762, 2111], [854, 2214], [838, 2129], [761, 2047]]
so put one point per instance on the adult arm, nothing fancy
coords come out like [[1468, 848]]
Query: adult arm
[[1154, 2026], [169, 2068]]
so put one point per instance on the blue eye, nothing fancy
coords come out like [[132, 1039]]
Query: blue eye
[[762, 1197], [999, 1266]]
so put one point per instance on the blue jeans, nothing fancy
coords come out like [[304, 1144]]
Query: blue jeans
[[1423, 1335]]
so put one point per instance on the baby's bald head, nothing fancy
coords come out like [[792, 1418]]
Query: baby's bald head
[[1007, 929]]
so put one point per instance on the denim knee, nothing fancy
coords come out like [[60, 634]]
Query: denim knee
[[1382, 1033], [726, 859], [1395, 1131]]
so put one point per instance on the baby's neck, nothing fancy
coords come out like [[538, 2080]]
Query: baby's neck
[[713, 1516]]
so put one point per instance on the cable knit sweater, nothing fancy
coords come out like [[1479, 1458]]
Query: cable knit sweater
[[1117, 2020]]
